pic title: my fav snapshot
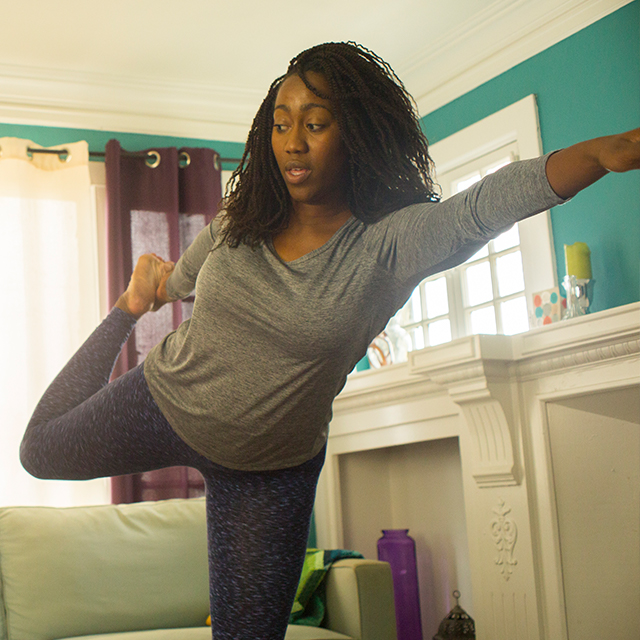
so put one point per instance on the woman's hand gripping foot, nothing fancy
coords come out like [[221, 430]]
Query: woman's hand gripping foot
[[146, 290]]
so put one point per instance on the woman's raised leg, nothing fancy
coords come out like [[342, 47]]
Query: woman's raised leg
[[84, 427]]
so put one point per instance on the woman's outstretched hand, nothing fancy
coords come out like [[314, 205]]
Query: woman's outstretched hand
[[622, 152], [146, 290], [575, 168]]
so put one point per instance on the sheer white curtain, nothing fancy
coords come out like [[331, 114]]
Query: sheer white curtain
[[49, 300]]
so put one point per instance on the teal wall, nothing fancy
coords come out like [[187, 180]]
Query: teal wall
[[587, 86], [52, 136]]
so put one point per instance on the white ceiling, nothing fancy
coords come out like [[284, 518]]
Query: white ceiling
[[188, 66], [242, 44]]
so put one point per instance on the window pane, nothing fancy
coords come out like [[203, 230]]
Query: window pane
[[478, 281], [437, 300], [417, 338], [465, 183], [416, 306], [507, 239], [515, 318], [439, 332], [484, 321], [412, 311], [510, 274], [483, 253]]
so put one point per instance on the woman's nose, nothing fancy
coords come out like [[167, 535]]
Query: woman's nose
[[296, 140]]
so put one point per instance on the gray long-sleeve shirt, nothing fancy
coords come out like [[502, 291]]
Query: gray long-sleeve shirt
[[250, 379]]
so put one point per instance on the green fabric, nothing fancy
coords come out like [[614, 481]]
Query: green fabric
[[309, 605]]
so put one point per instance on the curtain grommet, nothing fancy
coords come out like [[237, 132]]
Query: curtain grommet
[[152, 160], [184, 159]]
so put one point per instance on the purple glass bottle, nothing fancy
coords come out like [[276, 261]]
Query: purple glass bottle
[[398, 549]]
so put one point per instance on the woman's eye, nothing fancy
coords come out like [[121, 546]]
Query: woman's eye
[[279, 127], [314, 127]]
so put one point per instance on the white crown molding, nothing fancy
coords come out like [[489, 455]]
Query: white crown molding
[[504, 34], [137, 105]]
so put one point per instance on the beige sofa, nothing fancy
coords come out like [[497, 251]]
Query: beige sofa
[[139, 572]]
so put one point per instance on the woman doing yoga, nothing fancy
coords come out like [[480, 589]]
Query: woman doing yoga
[[330, 222]]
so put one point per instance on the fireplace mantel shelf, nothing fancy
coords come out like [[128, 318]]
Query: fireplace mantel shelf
[[587, 341]]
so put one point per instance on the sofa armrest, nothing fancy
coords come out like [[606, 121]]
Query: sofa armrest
[[360, 600]]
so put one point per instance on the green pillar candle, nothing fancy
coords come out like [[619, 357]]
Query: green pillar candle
[[578, 260]]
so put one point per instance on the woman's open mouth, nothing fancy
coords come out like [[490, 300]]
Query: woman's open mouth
[[296, 172]]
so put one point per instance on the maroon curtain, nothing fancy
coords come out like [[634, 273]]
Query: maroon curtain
[[157, 201]]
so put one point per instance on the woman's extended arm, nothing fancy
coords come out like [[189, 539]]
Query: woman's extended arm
[[576, 167], [423, 239]]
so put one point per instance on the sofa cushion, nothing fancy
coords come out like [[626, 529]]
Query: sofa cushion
[[89, 570], [294, 632]]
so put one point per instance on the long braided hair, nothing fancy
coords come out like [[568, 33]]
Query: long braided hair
[[389, 163]]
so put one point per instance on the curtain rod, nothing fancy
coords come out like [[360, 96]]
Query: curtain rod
[[101, 154]]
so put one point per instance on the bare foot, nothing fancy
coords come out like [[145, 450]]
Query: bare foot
[[140, 295]]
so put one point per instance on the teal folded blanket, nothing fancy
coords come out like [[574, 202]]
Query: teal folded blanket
[[309, 605]]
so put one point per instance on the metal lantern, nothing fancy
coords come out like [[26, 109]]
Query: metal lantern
[[458, 625]]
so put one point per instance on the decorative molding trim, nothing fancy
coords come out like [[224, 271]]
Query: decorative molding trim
[[398, 389], [34, 95], [504, 532], [460, 375], [513, 615], [600, 354], [474, 371], [490, 43], [592, 340], [613, 325], [494, 464]]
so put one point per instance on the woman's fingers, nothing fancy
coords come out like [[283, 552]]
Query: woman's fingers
[[622, 153]]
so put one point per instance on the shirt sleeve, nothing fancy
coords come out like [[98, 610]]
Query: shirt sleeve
[[183, 279], [422, 239]]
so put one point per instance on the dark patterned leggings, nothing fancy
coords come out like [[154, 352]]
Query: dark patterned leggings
[[257, 522]]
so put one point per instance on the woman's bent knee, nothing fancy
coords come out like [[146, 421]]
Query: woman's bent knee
[[41, 464], [31, 462]]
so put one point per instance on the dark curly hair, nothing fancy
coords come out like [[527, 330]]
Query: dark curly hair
[[389, 162]]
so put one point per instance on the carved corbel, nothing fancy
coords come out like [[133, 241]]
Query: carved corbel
[[474, 371]]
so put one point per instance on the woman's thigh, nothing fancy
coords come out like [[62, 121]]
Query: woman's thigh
[[118, 430]]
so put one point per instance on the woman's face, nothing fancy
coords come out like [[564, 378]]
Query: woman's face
[[307, 144]]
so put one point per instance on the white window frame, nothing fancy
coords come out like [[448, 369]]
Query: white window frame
[[517, 123], [511, 133]]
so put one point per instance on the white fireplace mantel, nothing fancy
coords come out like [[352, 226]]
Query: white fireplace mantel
[[491, 393]]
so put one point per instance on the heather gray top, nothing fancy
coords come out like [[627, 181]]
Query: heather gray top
[[250, 379]]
